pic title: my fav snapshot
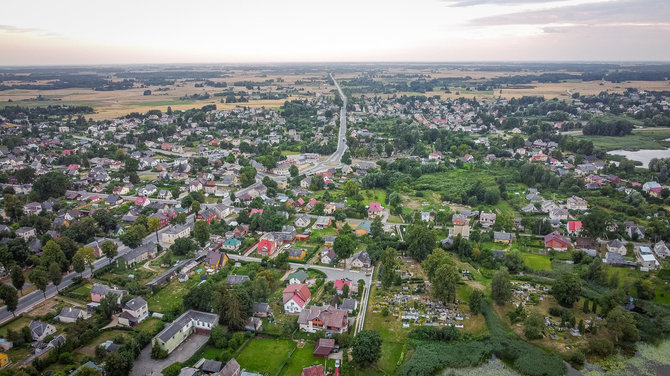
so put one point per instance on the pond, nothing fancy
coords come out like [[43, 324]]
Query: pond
[[644, 155], [649, 360]]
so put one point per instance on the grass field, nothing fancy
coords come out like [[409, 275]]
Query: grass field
[[457, 182], [302, 358], [646, 138], [265, 355], [536, 262], [373, 195], [170, 296]]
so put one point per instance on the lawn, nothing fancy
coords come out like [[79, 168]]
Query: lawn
[[302, 358], [457, 182], [645, 138], [536, 262], [170, 297], [265, 356], [373, 195], [15, 325], [394, 219]]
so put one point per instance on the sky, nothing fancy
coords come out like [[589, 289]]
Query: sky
[[48, 32]]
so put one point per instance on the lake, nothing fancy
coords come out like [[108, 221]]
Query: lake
[[644, 155]]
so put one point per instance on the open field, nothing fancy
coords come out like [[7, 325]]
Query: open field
[[536, 262], [170, 297], [645, 138], [303, 357]]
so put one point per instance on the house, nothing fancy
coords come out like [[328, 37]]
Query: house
[[137, 255], [231, 368], [180, 329], [254, 324], [617, 246], [329, 240], [295, 298], [363, 228], [459, 220], [322, 222], [661, 250], [142, 201], [634, 231], [647, 259], [262, 309], [297, 277], [463, 231], [313, 371], [323, 347], [652, 188], [99, 291], [339, 285], [302, 221], [559, 214], [361, 260], [348, 305], [326, 318], [231, 244], [574, 227], [266, 247], [5, 344], [4, 360], [164, 194], [114, 199], [134, 312], [556, 241], [616, 259], [216, 259], [40, 330], [210, 367], [233, 280], [502, 237], [327, 255], [577, 203], [25, 233], [487, 219], [297, 254], [375, 209], [175, 232], [32, 208], [70, 315]]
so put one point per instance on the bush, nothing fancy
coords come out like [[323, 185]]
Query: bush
[[601, 347], [172, 370]]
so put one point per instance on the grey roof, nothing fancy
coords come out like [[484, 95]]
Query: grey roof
[[236, 279], [189, 371], [231, 368], [295, 252], [70, 312], [183, 320], [135, 303], [261, 307], [37, 328], [348, 304], [363, 256], [211, 366], [502, 235]]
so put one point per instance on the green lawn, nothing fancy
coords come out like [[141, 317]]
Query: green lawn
[[373, 195], [211, 353], [394, 219], [15, 325], [303, 358], [265, 356], [170, 296], [536, 262], [645, 138]]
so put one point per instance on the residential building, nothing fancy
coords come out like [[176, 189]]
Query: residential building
[[661, 250], [302, 220], [297, 277], [326, 318], [25, 233], [487, 219], [70, 315], [231, 244], [216, 259], [262, 309], [556, 241], [134, 312], [175, 232], [295, 298], [323, 347], [502, 237], [322, 222], [574, 227], [296, 254], [40, 330], [99, 291], [361, 260], [266, 247], [180, 329], [617, 246], [577, 203], [327, 255], [375, 209], [313, 371]]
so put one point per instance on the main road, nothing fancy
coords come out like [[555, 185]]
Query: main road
[[29, 301]]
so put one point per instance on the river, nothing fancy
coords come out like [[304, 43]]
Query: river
[[644, 155]]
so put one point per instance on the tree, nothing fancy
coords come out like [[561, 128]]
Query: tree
[[345, 291], [18, 279], [351, 188], [108, 305], [367, 347], [344, 246], [13, 206], [621, 324], [445, 282], [9, 295], [218, 337], [51, 184], [533, 326], [260, 289], [596, 222], [247, 176], [134, 236], [501, 287], [476, 299], [567, 289], [389, 262], [52, 254], [645, 289], [78, 264], [201, 232], [195, 207], [154, 224], [200, 297], [55, 275], [38, 277], [513, 261], [88, 255], [105, 220], [420, 241], [229, 308], [293, 170], [181, 218], [376, 228], [109, 249], [182, 246]]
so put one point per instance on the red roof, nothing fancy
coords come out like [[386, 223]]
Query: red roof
[[140, 200], [555, 236], [256, 211], [313, 371], [340, 283], [299, 292], [375, 207], [574, 225]]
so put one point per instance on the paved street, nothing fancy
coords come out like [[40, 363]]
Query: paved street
[[145, 365]]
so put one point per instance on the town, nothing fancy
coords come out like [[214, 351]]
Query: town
[[371, 222]]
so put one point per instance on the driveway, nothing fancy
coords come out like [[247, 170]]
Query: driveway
[[144, 365]]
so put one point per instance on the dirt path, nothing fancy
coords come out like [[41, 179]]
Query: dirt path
[[146, 266]]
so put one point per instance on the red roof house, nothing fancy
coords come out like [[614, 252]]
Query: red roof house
[[313, 371], [556, 241], [296, 297], [574, 227], [266, 248], [375, 209]]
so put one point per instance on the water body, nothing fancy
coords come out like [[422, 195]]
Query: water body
[[648, 361], [644, 155]]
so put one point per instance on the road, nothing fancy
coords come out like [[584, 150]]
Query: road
[[86, 194], [27, 302]]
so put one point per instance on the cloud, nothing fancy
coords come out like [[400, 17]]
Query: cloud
[[10, 29], [469, 3], [647, 12]]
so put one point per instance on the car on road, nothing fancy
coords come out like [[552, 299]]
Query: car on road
[[337, 363]]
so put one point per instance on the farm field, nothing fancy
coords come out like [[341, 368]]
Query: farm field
[[646, 138]]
